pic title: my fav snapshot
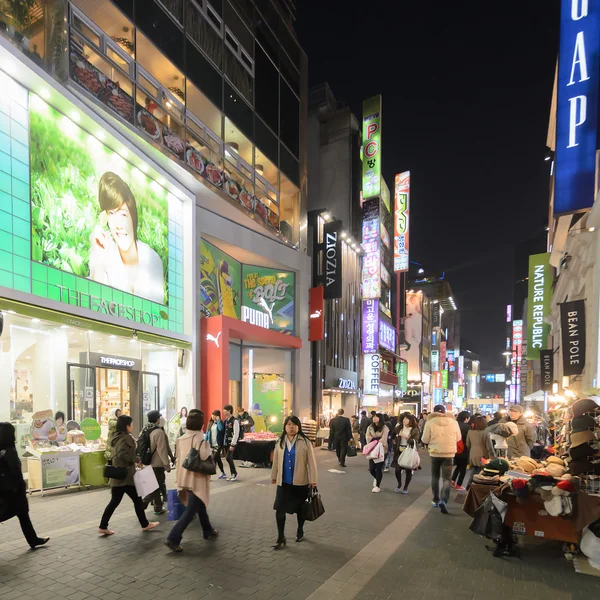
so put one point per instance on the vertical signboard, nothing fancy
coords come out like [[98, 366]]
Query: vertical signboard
[[371, 273], [444, 379], [572, 325], [437, 380], [371, 374], [547, 362], [517, 345], [401, 208], [577, 109], [402, 372], [508, 313], [435, 360], [332, 259], [371, 158], [370, 326], [413, 332], [387, 336], [538, 304], [316, 322], [436, 314]]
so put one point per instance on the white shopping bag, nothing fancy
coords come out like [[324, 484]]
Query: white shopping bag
[[409, 459], [377, 455], [145, 482]]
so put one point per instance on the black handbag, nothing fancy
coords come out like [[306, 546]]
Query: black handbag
[[313, 507], [351, 451], [112, 472], [194, 463]]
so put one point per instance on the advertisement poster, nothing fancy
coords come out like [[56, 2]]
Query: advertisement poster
[[371, 279], [93, 213], [387, 336], [268, 297], [402, 373], [267, 399], [220, 282], [371, 159], [401, 208], [60, 469], [538, 304], [413, 332], [370, 323]]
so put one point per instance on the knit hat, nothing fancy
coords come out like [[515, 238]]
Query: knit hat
[[581, 407], [439, 408], [567, 486], [577, 439], [583, 423], [498, 466], [520, 488], [154, 416]]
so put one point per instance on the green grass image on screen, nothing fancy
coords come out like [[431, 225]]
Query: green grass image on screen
[[67, 167]]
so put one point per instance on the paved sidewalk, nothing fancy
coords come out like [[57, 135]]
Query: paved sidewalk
[[366, 546]]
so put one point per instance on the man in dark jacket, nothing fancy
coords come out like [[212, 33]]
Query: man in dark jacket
[[497, 416], [521, 443], [341, 430], [461, 460], [365, 422]]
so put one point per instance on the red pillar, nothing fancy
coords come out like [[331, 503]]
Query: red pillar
[[214, 365]]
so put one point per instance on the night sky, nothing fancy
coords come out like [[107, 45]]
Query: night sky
[[466, 92]]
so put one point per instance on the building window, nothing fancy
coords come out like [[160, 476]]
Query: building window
[[266, 89], [175, 7], [290, 210], [290, 119], [204, 27]]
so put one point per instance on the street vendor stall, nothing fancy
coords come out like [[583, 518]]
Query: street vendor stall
[[256, 448]]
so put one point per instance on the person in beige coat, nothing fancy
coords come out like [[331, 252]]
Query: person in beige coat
[[294, 471], [193, 488]]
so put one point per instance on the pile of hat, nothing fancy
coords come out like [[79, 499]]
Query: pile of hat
[[583, 441]]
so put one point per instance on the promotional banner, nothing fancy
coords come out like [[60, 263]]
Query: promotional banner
[[517, 347], [538, 303], [577, 109], [572, 324], [387, 336], [371, 278], [332, 259], [220, 282], [437, 379], [436, 314], [435, 360], [370, 326], [316, 322], [371, 149], [93, 213], [413, 333], [401, 208], [547, 362], [268, 298], [268, 399], [60, 469], [371, 374], [444, 379], [402, 373]]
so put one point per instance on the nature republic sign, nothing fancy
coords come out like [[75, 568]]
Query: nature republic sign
[[538, 304]]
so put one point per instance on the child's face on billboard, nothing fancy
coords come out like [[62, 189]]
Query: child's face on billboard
[[121, 226]]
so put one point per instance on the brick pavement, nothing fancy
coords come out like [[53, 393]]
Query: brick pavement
[[365, 540]]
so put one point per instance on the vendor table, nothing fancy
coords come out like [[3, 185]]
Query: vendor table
[[91, 465], [260, 452]]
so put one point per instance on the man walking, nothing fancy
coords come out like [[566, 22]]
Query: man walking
[[232, 435], [441, 435], [161, 453], [341, 430], [364, 425]]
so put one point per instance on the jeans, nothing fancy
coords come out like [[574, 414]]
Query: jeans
[[376, 469], [388, 459], [341, 449], [117, 494], [363, 439], [229, 459], [280, 518], [194, 507], [443, 467], [461, 469], [407, 479]]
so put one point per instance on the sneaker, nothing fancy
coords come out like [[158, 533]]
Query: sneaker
[[453, 484], [443, 508], [233, 477], [404, 492], [213, 534], [162, 511], [152, 525], [374, 482], [435, 504], [376, 490], [173, 546], [460, 488], [386, 470], [398, 490], [222, 476]]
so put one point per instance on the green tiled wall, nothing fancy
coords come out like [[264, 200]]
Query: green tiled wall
[[17, 271]]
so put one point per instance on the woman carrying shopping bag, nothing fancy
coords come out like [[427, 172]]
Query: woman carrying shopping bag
[[377, 431], [407, 435], [294, 471], [124, 461], [193, 486]]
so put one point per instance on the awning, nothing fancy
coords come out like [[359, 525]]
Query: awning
[[538, 396]]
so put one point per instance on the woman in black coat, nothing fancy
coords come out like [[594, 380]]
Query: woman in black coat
[[13, 497]]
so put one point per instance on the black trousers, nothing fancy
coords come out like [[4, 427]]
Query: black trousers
[[26, 525], [461, 469], [280, 518], [229, 459], [341, 449], [376, 469], [117, 494], [217, 453], [407, 479], [158, 497]]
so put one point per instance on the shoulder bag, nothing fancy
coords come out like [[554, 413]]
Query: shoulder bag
[[193, 462]]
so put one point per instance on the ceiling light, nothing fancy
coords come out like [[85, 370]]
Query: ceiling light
[[101, 135], [124, 152], [90, 331], [45, 94], [11, 312], [28, 357], [592, 229], [112, 337], [421, 271], [35, 320], [64, 327], [75, 116]]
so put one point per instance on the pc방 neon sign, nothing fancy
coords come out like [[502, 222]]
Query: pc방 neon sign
[[401, 205]]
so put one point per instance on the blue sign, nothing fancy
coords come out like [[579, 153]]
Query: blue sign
[[577, 113], [490, 378]]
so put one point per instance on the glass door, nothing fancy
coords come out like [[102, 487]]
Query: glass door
[[81, 381], [150, 388]]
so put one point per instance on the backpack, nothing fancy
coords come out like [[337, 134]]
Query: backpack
[[143, 449]]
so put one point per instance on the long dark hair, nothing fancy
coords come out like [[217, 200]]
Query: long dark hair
[[122, 422], [296, 421], [412, 420], [380, 424], [7, 436]]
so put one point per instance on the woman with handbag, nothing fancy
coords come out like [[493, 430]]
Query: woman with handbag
[[407, 434], [377, 431], [215, 436], [13, 495], [120, 473], [294, 471], [194, 469]]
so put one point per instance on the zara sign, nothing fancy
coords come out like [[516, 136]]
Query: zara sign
[[577, 111]]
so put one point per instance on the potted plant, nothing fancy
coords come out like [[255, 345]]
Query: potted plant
[[17, 13]]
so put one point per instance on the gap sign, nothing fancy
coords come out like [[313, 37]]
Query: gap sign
[[577, 112]]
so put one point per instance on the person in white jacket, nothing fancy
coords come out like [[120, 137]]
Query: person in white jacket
[[441, 435]]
